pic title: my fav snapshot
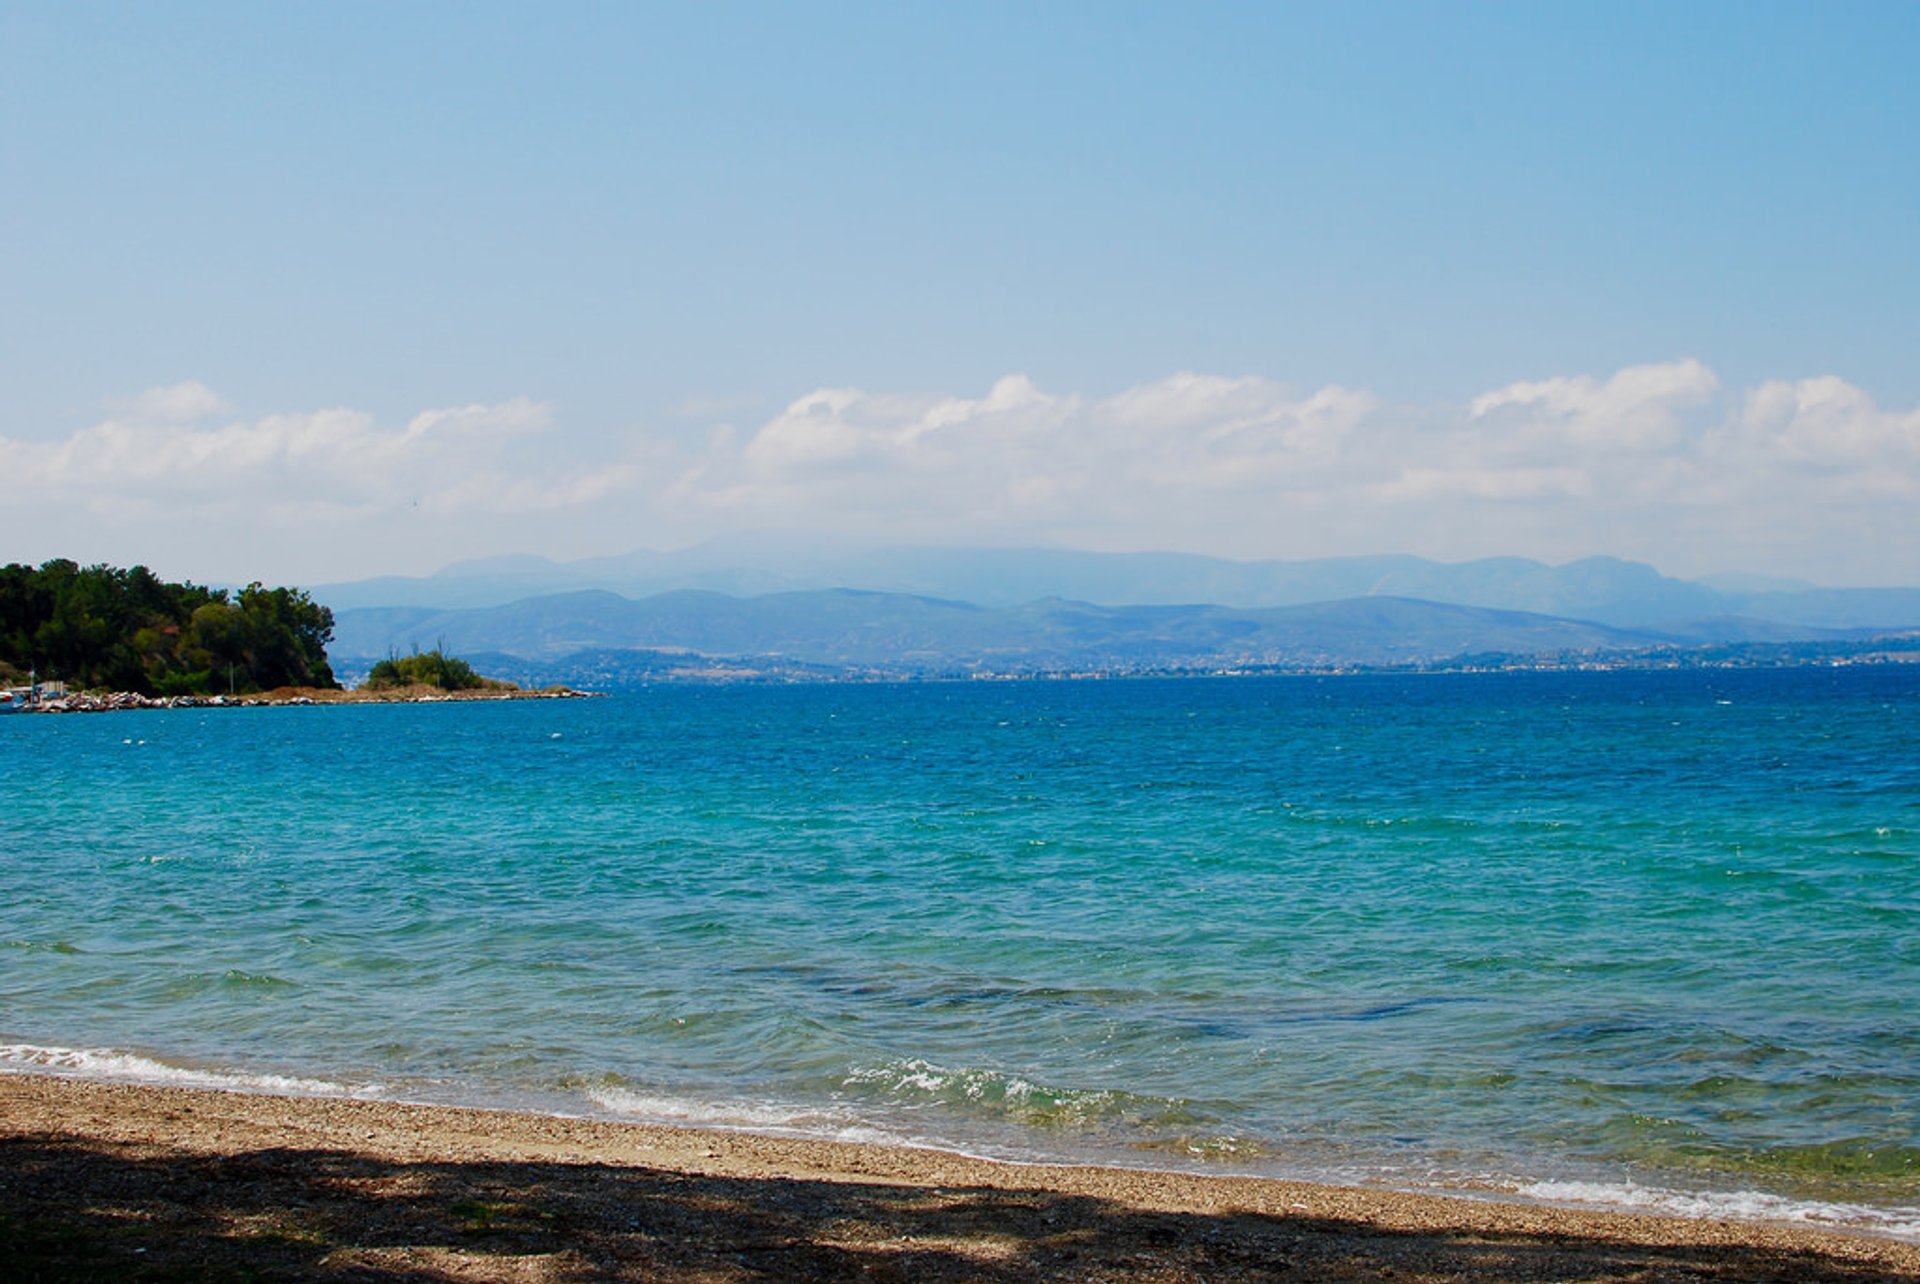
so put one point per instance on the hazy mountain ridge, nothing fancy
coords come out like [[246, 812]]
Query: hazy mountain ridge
[[1601, 589], [847, 630], [808, 610]]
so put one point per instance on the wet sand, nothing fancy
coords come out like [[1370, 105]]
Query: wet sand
[[115, 1181]]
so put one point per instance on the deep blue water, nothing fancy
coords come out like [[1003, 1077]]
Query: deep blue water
[[1638, 937]]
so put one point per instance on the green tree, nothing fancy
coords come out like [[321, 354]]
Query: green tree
[[288, 634], [99, 626]]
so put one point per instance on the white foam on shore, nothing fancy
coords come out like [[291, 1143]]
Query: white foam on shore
[[128, 1067], [739, 1116], [116, 1065], [1731, 1205], [1895, 1222]]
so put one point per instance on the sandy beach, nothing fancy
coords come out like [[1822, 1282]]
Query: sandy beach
[[108, 1180]]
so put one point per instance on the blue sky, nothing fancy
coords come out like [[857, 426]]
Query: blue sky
[[316, 292]]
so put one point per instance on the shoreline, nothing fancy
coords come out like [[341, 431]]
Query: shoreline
[[282, 697], [101, 1177]]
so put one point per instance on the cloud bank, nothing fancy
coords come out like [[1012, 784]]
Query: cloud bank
[[1807, 477]]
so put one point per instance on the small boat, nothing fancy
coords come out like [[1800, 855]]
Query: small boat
[[21, 699]]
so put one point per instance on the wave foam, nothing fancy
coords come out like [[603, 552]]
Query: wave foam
[[630, 1103], [1737, 1205], [128, 1067], [916, 1083]]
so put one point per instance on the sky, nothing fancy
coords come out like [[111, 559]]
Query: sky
[[312, 293]]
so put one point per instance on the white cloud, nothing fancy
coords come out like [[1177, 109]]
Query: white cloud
[[175, 403], [1824, 424], [170, 445], [1638, 409], [843, 428], [1019, 454], [1654, 461], [1639, 463], [173, 472]]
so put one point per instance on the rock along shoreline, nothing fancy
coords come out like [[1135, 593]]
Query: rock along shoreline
[[117, 701]]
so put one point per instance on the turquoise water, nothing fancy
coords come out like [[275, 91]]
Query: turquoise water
[[1640, 938]]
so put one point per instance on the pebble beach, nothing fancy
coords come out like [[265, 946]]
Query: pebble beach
[[112, 1180]]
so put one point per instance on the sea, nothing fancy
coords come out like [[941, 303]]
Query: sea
[[1625, 939]]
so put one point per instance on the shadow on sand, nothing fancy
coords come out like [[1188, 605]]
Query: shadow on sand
[[74, 1210]]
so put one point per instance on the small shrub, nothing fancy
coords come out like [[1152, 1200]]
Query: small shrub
[[424, 669]]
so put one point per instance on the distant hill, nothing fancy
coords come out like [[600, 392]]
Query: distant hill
[[1603, 590], [844, 630]]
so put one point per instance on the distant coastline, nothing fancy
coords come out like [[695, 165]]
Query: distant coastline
[[609, 671], [612, 669]]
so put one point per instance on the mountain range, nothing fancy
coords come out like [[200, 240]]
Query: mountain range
[[810, 611]]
